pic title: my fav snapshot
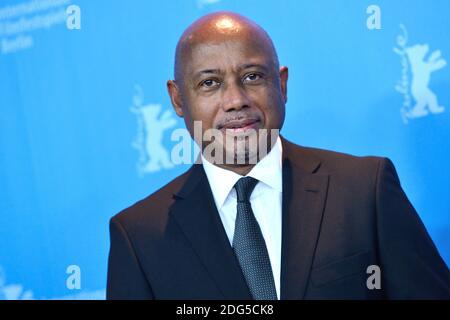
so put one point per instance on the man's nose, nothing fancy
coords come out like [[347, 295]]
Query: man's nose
[[234, 97]]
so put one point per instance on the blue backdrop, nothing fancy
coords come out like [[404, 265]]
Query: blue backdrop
[[82, 87]]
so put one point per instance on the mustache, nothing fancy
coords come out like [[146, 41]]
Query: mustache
[[237, 117]]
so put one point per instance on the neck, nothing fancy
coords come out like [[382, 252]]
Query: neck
[[243, 169], [239, 169]]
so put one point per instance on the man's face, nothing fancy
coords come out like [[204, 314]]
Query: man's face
[[233, 86]]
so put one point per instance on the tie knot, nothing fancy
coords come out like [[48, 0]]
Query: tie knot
[[244, 188]]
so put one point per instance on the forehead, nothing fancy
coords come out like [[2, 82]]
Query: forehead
[[224, 55]]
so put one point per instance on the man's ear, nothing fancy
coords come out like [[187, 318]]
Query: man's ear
[[284, 74], [175, 97]]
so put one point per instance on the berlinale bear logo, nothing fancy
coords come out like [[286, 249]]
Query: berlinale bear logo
[[153, 156], [416, 73]]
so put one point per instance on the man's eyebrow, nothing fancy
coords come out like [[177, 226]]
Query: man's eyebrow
[[241, 67], [253, 65], [206, 71]]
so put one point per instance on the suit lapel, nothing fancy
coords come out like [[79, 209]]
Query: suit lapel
[[304, 194], [196, 214]]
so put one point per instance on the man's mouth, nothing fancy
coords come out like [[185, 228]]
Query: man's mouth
[[238, 126]]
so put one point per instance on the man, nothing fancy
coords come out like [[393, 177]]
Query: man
[[278, 221]]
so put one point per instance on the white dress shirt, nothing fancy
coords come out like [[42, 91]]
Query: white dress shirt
[[266, 201]]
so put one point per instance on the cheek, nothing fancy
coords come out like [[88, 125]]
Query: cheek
[[203, 110], [272, 106]]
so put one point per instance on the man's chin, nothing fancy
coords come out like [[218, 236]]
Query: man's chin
[[238, 148]]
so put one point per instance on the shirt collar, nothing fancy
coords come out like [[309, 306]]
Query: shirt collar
[[268, 171]]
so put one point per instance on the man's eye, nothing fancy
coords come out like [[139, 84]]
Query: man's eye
[[208, 83], [252, 77]]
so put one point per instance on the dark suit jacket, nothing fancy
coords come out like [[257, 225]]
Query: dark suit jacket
[[341, 213]]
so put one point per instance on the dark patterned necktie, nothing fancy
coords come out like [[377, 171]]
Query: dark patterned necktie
[[249, 245]]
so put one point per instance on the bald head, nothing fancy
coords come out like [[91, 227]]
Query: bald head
[[220, 27]]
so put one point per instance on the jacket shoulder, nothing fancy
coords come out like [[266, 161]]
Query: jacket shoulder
[[334, 160], [153, 208], [350, 167]]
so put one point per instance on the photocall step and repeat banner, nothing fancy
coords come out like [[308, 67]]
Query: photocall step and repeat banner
[[87, 127]]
